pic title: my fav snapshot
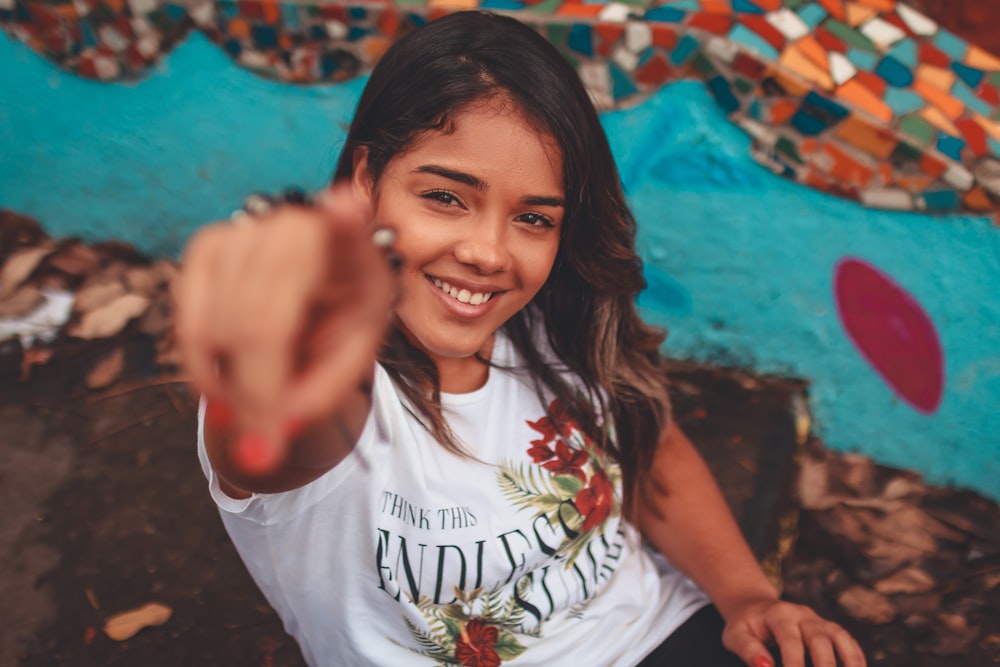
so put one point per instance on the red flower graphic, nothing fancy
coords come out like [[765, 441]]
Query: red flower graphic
[[561, 427], [567, 462], [540, 451], [595, 501], [474, 646]]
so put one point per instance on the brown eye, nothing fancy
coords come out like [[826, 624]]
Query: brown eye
[[536, 220], [442, 197]]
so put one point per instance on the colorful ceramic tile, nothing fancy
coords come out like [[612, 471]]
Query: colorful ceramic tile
[[917, 22], [796, 61], [812, 14], [864, 99], [717, 24], [867, 136], [938, 77], [950, 44], [745, 37], [857, 14], [789, 24], [841, 69], [894, 72], [898, 93], [902, 101], [829, 41], [970, 99], [980, 59], [906, 53], [882, 32]]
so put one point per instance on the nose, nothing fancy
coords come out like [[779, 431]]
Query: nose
[[485, 246]]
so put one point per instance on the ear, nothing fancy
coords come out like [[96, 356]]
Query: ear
[[362, 182]]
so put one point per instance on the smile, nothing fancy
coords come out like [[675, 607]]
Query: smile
[[462, 295]]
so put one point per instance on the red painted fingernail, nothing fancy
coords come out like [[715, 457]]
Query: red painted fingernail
[[218, 414], [763, 661], [255, 455]]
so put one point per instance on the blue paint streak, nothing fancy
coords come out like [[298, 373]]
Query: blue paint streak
[[151, 161], [737, 251], [723, 239], [663, 293]]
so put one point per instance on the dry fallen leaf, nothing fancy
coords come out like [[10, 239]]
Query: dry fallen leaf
[[866, 605], [158, 317], [33, 356], [107, 369], [165, 271], [21, 302], [813, 490], [19, 266], [96, 294], [124, 625], [142, 280], [909, 581], [111, 318], [74, 259]]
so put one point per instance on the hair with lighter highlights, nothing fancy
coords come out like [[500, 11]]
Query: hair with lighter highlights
[[587, 305]]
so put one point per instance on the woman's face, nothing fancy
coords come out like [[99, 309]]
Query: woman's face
[[478, 213]]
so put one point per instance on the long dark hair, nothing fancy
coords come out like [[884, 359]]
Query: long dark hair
[[587, 306]]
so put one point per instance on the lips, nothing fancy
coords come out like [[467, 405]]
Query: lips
[[460, 294]]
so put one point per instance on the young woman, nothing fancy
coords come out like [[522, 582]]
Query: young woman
[[467, 459]]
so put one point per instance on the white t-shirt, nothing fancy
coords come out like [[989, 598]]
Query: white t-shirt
[[407, 554]]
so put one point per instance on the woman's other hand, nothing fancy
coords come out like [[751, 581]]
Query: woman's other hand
[[795, 629]]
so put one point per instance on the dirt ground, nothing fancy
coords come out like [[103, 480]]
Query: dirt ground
[[108, 511]]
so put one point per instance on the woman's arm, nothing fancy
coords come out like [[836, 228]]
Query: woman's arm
[[278, 324], [692, 526]]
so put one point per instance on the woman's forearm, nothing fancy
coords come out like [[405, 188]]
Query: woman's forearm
[[692, 526]]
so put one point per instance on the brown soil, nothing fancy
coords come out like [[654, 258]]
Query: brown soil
[[110, 512]]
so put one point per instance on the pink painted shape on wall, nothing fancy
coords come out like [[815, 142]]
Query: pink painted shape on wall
[[892, 331]]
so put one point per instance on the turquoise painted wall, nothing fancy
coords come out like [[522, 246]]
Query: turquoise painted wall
[[740, 262]]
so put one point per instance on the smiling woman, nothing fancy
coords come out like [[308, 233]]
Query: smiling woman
[[409, 512], [478, 211]]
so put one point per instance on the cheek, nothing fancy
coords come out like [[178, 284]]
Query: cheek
[[541, 263]]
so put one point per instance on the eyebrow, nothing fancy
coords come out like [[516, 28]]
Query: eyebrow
[[479, 184]]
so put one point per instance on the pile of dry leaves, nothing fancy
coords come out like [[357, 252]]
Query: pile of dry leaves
[[61, 297], [914, 570]]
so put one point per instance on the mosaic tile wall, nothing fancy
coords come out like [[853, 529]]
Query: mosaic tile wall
[[869, 100]]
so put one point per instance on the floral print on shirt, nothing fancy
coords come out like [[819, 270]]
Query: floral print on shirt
[[571, 481], [581, 475]]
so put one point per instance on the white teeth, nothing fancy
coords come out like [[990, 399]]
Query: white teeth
[[464, 296]]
